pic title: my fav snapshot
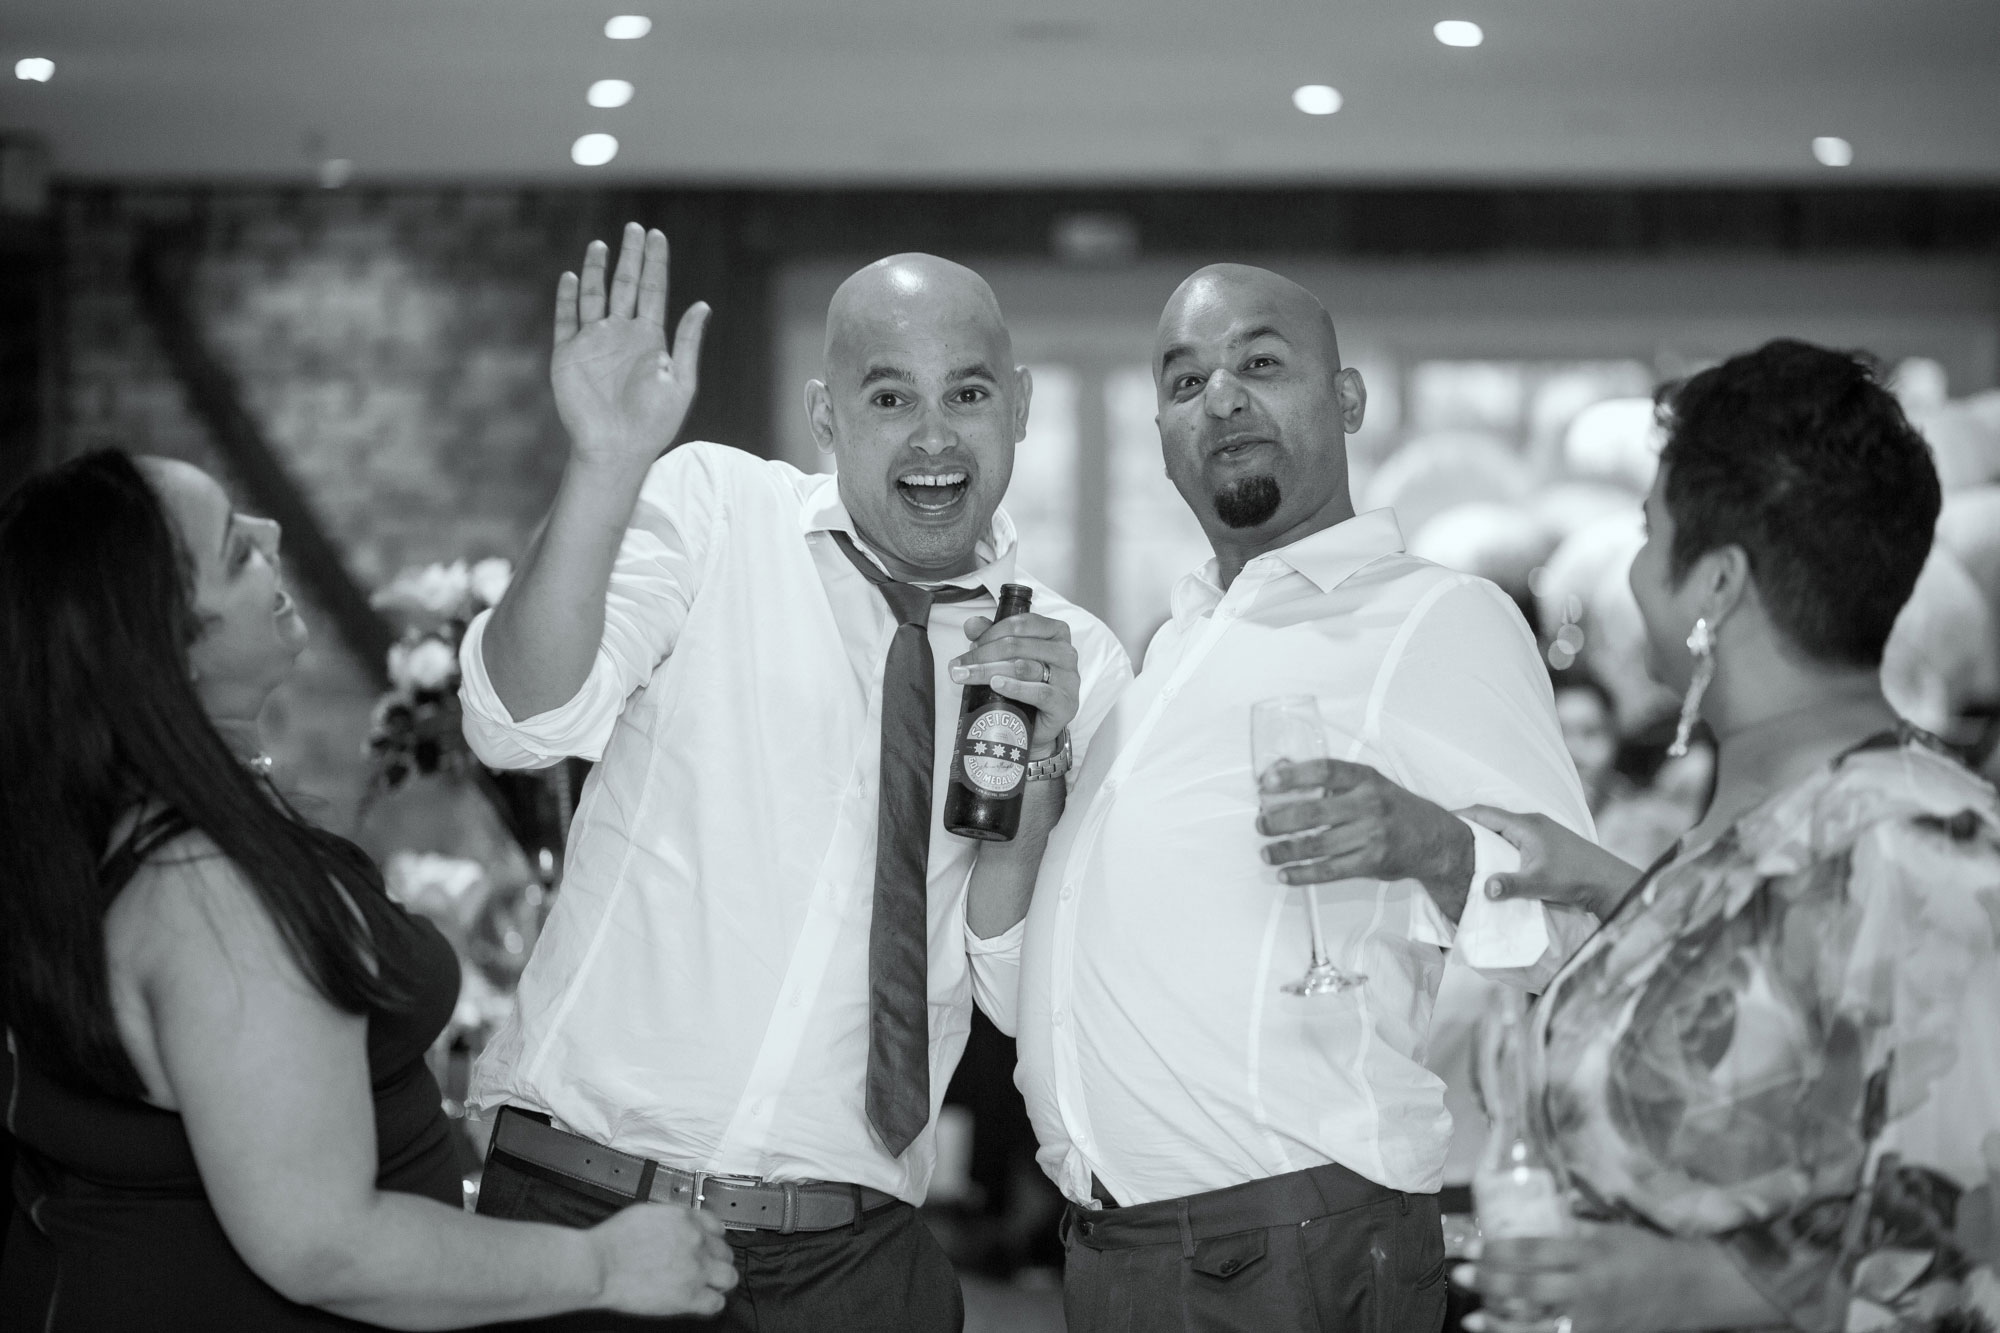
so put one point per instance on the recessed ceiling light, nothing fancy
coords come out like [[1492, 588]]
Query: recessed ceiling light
[[335, 172], [609, 93], [1316, 99], [35, 69], [593, 150], [1459, 32], [1833, 151], [626, 27]]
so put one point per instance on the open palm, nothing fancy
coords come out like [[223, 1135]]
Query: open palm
[[620, 392]]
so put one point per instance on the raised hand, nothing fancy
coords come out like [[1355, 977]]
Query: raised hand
[[663, 1259], [621, 395]]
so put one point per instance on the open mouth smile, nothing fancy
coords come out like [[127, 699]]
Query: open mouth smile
[[938, 492]]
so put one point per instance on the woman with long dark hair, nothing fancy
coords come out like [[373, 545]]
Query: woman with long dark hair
[[215, 1017]]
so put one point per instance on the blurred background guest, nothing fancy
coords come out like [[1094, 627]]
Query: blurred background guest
[[216, 1018], [1766, 1079]]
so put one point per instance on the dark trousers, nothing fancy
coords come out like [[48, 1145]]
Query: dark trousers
[[1321, 1249], [885, 1274]]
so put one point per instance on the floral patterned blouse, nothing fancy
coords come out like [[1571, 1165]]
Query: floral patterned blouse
[[1789, 1041]]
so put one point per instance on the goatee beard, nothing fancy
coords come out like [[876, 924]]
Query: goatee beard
[[1248, 503]]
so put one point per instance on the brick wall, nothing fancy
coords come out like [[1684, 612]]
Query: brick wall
[[393, 348]]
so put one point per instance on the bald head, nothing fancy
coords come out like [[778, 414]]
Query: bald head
[[1248, 291], [911, 293], [921, 408], [1254, 409]]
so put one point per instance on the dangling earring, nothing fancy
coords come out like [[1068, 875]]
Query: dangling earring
[[1701, 646]]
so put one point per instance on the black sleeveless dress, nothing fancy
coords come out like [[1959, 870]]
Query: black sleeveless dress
[[111, 1229]]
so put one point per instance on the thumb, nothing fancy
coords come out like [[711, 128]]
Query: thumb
[[1503, 886], [976, 626], [687, 338]]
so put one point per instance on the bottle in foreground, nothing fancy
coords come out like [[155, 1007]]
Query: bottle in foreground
[[1515, 1189], [989, 763]]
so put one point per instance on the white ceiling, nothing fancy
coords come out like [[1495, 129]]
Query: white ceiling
[[1110, 91]]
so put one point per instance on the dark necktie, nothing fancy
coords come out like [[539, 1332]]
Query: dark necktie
[[899, 1057]]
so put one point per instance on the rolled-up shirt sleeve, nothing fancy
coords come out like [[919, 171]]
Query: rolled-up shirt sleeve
[[654, 581], [1105, 671], [1483, 734]]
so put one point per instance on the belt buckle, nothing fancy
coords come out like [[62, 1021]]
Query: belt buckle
[[701, 1180]]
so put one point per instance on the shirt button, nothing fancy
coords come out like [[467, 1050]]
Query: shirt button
[[1057, 1018], [1068, 892], [1169, 692]]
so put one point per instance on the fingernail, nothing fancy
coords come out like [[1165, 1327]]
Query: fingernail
[[959, 673], [1492, 888]]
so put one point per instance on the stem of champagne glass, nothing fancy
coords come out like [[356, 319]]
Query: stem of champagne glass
[[1312, 915]]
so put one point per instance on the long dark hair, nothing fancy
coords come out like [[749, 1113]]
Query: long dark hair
[[97, 717]]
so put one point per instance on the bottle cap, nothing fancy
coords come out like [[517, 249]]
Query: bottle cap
[[1014, 600]]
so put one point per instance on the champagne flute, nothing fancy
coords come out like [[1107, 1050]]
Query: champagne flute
[[1289, 728]]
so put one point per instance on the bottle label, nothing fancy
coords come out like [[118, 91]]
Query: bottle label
[[1519, 1201], [994, 752]]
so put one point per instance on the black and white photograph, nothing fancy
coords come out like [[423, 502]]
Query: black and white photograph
[[1005, 667]]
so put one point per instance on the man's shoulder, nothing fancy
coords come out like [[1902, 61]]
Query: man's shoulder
[[702, 471], [1420, 582]]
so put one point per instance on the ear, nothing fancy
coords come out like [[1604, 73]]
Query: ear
[[1353, 398], [1024, 390], [819, 414], [1723, 577]]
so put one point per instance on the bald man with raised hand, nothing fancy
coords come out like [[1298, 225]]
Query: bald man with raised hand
[[759, 973], [1236, 1155]]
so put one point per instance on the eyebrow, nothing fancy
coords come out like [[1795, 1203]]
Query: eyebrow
[[1179, 350], [878, 373], [978, 370]]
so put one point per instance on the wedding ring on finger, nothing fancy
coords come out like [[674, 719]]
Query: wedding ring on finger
[[1046, 673]]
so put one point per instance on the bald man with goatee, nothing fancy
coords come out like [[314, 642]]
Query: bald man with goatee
[[1246, 1133], [759, 973]]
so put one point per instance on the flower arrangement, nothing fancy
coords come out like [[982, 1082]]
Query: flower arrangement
[[416, 725]]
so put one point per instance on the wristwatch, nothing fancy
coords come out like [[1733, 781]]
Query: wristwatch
[[1057, 764]]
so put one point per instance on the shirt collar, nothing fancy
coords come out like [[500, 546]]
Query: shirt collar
[[1328, 558], [822, 510]]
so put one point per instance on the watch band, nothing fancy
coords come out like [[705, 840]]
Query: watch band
[[1057, 764]]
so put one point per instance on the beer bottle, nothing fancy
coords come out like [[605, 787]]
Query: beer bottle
[[989, 762]]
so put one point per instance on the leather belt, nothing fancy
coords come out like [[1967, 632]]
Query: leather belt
[[742, 1202]]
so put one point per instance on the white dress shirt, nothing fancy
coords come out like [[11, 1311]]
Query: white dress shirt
[[700, 992], [1157, 1050]]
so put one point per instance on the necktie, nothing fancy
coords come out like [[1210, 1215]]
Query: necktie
[[899, 1060]]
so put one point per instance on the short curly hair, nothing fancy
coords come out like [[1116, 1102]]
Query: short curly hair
[[1799, 455]]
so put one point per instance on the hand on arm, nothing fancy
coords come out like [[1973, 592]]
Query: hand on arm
[[272, 1084], [622, 398], [1557, 865], [1013, 657], [1356, 824]]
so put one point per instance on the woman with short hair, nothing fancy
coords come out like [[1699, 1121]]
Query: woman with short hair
[[1771, 1078]]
